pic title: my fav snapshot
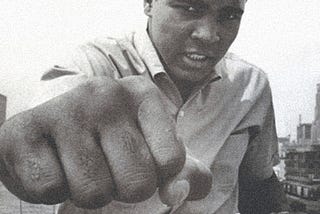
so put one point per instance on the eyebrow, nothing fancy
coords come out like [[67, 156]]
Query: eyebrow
[[237, 4], [234, 4], [201, 2], [233, 8]]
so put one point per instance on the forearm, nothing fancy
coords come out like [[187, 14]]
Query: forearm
[[261, 197]]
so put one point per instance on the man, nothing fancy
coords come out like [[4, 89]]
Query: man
[[173, 138]]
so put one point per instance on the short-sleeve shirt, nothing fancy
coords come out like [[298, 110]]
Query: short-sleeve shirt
[[226, 121]]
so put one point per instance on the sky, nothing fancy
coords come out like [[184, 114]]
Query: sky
[[280, 36]]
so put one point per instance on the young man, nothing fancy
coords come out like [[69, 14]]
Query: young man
[[177, 136]]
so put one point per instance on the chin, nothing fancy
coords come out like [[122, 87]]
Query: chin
[[196, 76], [181, 74], [192, 79]]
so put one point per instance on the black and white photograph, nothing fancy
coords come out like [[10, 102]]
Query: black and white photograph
[[160, 107]]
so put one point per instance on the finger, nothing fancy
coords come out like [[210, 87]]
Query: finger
[[157, 126], [14, 185], [160, 134], [130, 161], [30, 168], [85, 166], [192, 183]]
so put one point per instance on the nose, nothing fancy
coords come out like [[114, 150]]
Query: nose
[[206, 31]]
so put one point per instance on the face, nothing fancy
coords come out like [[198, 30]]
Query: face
[[191, 36]]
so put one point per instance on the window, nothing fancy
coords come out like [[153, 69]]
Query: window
[[299, 188], [306, 192]]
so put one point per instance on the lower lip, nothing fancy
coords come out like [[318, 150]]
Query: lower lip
[[197, 64]]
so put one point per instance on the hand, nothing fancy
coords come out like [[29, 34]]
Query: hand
[[101, 141]]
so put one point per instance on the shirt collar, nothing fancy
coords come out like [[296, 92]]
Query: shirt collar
[[149, 55]]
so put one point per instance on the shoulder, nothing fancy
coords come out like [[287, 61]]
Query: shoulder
[[243, 76], [115, 56], [249, 90], [109, 44], [103, 56], [239, 69]]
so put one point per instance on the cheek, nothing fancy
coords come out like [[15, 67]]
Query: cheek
[[227, 38], [170, 26], [231, 32], [171, 38], [172, 30]]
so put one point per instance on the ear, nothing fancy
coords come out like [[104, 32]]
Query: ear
[[243, 3], [147, 4]]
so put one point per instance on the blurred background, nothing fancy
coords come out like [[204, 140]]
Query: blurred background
[[280, 36]]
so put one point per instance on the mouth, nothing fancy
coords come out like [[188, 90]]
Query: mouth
[[196, 57], [198, 60]]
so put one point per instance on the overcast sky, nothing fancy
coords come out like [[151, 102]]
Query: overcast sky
[[280, 36]]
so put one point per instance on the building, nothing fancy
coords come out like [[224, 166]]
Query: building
[[304, 134], [3, 106], [302, 177], [316, 122], [279, 169], [302, 165]]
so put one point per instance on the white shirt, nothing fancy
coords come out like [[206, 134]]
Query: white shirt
[[227, 121]]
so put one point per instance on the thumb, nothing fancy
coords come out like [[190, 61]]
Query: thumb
[[192, 183]]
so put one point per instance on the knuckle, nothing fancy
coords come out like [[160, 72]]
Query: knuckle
[[41, 177], [150, 92], [200, 186], [18, 127], [93, 100], [199, 177], [91, 193], [136, 186], [104, 94], [48, 191], [140, 85], [170, 163], [101, 86]]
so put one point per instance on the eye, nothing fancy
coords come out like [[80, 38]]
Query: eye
[[229, 17], [230, 14], [191, 9]]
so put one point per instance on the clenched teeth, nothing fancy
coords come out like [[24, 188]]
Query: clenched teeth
[[197, 57]]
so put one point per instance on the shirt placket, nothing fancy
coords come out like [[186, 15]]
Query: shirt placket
[[182, 111]]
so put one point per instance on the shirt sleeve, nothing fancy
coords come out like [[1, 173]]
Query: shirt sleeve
[[56, 81], [103, 57], [85, 61], [262, 151]]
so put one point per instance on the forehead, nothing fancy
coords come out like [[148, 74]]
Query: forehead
[[216, 3]]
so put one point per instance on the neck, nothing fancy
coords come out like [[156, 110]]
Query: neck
[[185, 87]]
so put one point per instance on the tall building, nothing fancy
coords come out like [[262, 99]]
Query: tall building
[[302, 165], [316, 122], [3, 106], [304, 133]]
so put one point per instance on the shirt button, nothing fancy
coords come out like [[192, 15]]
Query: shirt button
[[181, 114]]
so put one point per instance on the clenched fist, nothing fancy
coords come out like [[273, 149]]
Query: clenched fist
[[101, 141]]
